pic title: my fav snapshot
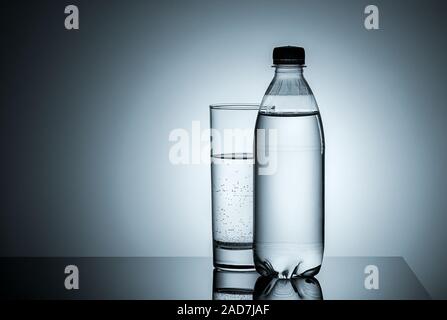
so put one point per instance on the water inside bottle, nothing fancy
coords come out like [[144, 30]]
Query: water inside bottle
[[289, 203]]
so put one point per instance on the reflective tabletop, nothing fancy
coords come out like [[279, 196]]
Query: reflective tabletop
[[188, 278]]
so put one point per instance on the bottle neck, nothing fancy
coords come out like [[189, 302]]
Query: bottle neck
[[289, 71], [288, 81]]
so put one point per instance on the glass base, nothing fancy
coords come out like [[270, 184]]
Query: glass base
[[233, 256]]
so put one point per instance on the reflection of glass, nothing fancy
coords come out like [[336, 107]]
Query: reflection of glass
[[233, 285], [300, 288], [232, 133]]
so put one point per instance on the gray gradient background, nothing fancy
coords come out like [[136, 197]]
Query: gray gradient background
[[85, 118]]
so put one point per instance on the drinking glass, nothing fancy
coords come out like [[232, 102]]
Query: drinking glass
[[232, 134]]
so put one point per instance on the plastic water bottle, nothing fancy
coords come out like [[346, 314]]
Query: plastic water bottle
[[289, 173]]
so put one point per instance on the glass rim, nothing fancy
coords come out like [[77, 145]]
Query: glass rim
[[235, 106]]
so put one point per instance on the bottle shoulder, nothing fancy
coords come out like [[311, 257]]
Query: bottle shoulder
[[289, 95], [289, 86]]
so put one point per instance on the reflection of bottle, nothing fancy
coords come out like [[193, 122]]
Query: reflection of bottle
[[233, 285], [289, 193], [300, 288]]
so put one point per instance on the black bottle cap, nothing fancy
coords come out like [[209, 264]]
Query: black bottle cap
[[288, 55]]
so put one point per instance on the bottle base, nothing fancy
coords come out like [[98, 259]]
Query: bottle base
[[288, 261]]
